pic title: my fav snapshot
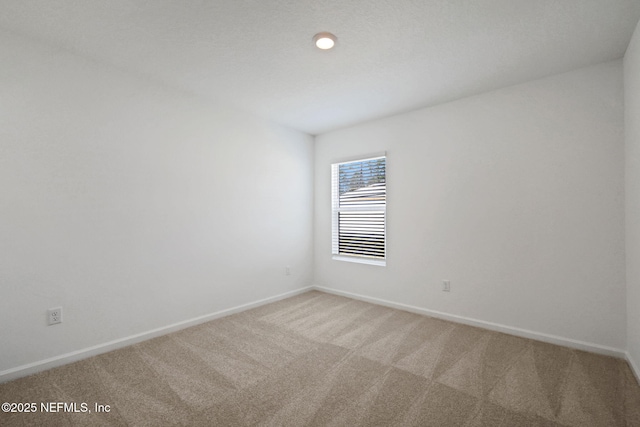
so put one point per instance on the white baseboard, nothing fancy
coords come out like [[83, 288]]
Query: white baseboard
[[538, 336], [635, 368], [42, 365]]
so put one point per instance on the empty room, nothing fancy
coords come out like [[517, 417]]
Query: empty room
[[340, 213]]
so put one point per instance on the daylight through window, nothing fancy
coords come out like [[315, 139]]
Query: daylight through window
[[359, 190]]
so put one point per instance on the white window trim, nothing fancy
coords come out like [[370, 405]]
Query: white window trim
[[370, 261], [382, 262]]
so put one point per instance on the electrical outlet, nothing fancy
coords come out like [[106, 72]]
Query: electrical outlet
[[54, 315], [446, 286], [287, 271]]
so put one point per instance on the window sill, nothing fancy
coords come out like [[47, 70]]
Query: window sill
[[378, 262]]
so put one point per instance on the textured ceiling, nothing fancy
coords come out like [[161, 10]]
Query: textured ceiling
[[392, 55]]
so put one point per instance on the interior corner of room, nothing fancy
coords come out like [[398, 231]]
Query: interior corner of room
[[140, 208]]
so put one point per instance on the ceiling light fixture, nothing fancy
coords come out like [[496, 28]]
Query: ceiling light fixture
[[324, 41]]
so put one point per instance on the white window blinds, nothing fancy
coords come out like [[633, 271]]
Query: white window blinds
[[359, 202]]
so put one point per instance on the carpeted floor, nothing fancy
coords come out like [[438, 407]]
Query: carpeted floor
[[323, 360]]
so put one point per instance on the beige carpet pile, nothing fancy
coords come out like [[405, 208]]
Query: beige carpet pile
[[323, 360]]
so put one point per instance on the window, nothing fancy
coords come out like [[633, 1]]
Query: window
[[359, 205]]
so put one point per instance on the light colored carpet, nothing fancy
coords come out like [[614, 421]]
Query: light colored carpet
[[323, 360]]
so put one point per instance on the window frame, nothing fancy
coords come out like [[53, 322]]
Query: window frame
[[336, 209]]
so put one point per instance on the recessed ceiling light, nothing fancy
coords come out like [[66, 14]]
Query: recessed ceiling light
[[324, 41]]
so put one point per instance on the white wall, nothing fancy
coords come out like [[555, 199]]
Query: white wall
[[632, 188], [515, 196], [133, 206]]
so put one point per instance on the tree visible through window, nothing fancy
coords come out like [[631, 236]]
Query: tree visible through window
[[359, 209]]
